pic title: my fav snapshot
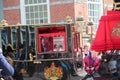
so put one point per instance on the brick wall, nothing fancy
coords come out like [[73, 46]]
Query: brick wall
[[81, 9], [12, 11], [59, 12], [12, 16], [8, 3], [59, 9]]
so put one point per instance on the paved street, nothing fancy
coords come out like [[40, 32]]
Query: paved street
[[40, 76], [81, 73]]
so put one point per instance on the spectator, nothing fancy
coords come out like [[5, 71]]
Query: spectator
[[99, 55], [19, 66], [6, 69], [92, 64], [112, 65], [10, 53], [31, 65], [86, 50], [10, 57]]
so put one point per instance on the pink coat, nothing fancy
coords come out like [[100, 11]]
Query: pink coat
[[91, 62]]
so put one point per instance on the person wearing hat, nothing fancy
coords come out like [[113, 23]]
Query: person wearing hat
[[10, 56], [10, 52]]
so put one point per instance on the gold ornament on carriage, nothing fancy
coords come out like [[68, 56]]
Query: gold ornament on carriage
[[53, 72]]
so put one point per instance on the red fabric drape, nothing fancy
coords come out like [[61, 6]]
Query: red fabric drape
[[107, 36], [48, 40], [75, 42]]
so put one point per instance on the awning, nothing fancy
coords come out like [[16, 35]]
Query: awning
[[108, 33]]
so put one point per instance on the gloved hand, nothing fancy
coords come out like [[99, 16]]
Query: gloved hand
[[92, 68]]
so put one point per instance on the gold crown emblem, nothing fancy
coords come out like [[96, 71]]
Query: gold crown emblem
[[53, 72]]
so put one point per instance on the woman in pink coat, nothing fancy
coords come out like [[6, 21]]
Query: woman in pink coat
[[91, 62]]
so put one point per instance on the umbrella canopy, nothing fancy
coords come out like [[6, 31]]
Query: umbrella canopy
[[108, 33]]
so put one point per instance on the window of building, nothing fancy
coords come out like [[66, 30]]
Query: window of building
[[35, 11], [95, 10]]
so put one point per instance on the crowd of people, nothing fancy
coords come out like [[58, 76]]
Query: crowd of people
[[6, 70], [11, 69], [91, 62]]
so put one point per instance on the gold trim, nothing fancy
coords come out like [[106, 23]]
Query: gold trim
[[53, 72], [4, 22], [116, 5], [116, 32], [118, 24], [68, 19]]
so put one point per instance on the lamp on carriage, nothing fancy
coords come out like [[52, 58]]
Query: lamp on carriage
[[68, 19], [18, 25], [90, 29], [80, 21], [4, 22]]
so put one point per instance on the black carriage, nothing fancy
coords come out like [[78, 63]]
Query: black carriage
[[48, 49]]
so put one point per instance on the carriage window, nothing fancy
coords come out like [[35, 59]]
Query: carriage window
[[51, 39], [46, 43], [51, 43], [31, 36], [14, 36], [58, 43], [23, 34]]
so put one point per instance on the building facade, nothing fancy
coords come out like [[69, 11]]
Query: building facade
[[51, 11], [1, 10]]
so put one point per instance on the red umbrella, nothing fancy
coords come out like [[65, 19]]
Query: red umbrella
[[108, 33]]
